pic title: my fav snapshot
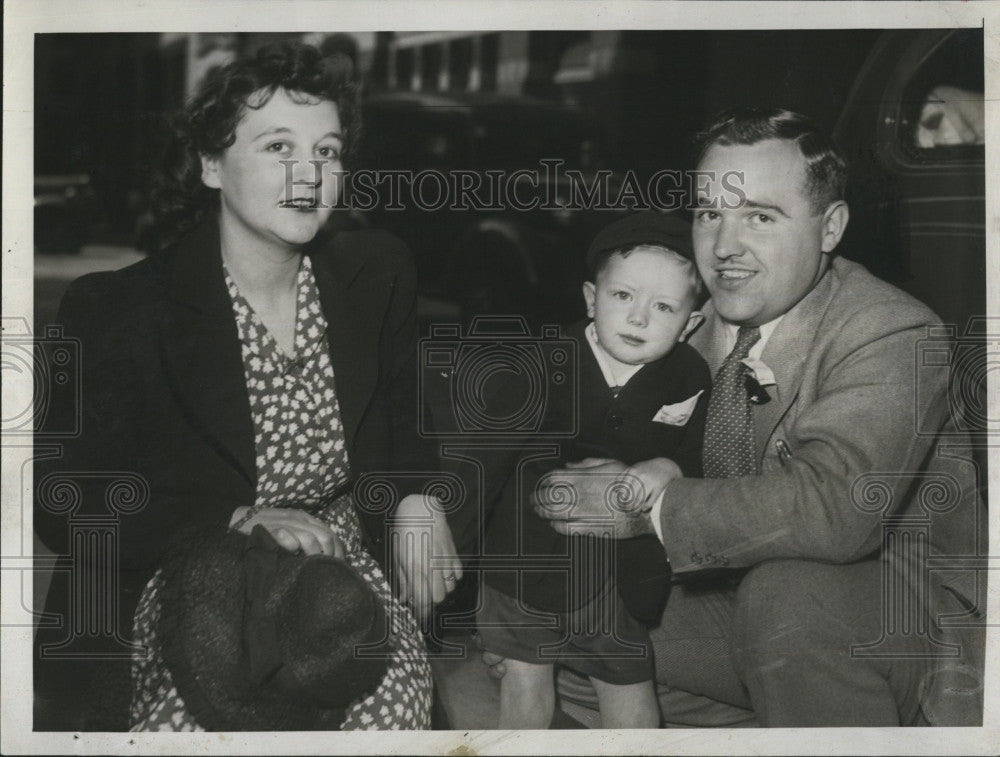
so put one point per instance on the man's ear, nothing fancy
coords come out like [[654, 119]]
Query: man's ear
[[210, 172], [834, 222], [694, 321], [589, 295]]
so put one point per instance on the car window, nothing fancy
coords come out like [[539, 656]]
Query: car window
[[414, 139], [950, 116], [943, 105], [521, 138], [507, 136]]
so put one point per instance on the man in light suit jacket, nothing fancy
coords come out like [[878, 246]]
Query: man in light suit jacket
[[832, 580]]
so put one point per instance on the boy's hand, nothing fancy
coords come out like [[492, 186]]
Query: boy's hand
[[493, 661], [421, 584], [653, 475]]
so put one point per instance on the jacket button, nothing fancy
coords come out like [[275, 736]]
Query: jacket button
[[615, 421]]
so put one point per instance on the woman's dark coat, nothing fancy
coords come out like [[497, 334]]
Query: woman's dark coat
[[163, 410]]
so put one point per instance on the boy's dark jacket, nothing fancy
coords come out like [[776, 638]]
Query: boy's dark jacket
[[621, 428]]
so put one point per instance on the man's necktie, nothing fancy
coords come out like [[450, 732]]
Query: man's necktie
[[730, 449]]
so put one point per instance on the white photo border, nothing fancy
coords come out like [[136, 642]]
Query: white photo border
[[25, 18]]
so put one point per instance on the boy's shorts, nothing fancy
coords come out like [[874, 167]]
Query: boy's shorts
[[615, 648]]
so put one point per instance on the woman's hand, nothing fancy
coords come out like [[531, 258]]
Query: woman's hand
[[420, 584], [295, 530], [653, 476]]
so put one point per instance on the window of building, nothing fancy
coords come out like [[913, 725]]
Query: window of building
[[489, 59], [430, 63], [404, 67], [459, 64]]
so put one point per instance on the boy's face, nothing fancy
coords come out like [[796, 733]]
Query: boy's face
[[642, 304]]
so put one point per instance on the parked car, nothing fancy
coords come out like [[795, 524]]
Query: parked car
[[918, 208], [64, 207], [913, 131], [493, 259]]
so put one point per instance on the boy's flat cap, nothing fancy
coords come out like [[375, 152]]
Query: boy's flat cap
[[649, 227]]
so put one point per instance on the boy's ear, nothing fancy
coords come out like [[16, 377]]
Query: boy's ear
[[210, 172], [589, 295], [694, 321]]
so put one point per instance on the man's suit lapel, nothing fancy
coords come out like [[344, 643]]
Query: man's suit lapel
[[202, 351], [785, 354], [354, 302]]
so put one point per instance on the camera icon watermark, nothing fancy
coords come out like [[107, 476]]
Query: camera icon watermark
[[50, 365], [498, 379], [964, 361]]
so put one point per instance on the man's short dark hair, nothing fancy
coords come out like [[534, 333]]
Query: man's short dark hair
[[826, 169]]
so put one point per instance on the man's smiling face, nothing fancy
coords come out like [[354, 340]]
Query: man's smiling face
[[760, 259]]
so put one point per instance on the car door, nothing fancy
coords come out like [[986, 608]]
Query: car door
[[913, 131], [918, 205]]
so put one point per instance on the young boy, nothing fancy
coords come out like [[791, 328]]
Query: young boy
[[642, 395]]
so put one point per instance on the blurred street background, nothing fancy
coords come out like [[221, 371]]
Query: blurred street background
[[618, 101], [906, 107], [101, 102]]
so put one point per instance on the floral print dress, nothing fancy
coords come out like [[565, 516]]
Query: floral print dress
[[301, 461]]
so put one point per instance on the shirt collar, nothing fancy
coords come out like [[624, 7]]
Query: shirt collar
[[604, 360], [732, 331]]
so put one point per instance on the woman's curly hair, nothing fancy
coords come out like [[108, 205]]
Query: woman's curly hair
[[207, 126]]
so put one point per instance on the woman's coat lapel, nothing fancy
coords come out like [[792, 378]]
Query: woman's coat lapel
[[354, 300], [202, 349]]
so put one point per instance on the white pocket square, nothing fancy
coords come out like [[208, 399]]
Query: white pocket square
[[678, 413]]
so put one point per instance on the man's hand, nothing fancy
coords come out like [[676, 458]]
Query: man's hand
[[295, 530], [653, 476], [589, 496], [418, 583]]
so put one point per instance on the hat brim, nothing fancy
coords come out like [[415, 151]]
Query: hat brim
[[202, 615], [666, 230]]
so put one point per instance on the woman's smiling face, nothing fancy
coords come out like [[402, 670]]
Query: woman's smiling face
[[279, 179]]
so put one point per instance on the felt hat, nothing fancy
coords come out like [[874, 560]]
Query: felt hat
[[258, 638], [649, 227]]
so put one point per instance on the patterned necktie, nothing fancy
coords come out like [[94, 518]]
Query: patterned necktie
[[730, 449]]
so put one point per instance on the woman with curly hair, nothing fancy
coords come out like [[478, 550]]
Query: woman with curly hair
[[247, 375]]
